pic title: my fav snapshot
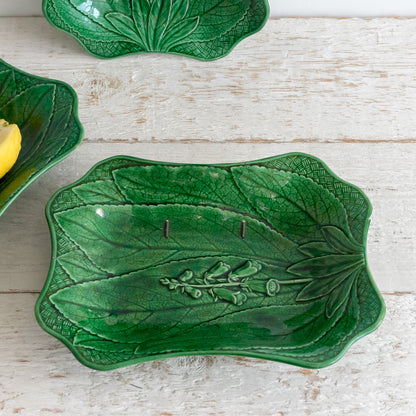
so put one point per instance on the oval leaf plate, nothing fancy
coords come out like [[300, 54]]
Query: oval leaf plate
[[46, 112], [264, 259], [202, 29]]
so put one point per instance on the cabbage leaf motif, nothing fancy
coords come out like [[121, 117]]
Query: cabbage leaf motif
[[290, 288]]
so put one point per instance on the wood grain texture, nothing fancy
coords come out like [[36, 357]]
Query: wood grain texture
[[320, 80], [341, 89], [277, 8], [39, 376]]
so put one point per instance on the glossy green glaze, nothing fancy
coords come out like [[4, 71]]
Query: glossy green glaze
[[201, 29], [264, 259], [46, 113]]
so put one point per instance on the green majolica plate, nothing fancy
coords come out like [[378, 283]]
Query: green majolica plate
[[202, 29], [263, 259], [46, 112]]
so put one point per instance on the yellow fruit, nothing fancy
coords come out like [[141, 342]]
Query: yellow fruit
[[10, 145]]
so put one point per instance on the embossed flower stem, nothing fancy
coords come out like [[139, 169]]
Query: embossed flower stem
[[241, 284], [221, 280]]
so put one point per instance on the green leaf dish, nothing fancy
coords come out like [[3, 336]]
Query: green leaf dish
[[201, 29], [263, 259], [46, 113]]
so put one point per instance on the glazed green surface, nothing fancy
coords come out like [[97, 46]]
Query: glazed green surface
[[46, 113], [264, 259], [202, 29]]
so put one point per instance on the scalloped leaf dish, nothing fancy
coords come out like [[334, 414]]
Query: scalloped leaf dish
[[46, 113], [201, 29], [264, 259]]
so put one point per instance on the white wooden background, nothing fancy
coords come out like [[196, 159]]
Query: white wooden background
[[341, 89], [278, 8]]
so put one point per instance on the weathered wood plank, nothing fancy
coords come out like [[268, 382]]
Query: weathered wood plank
[[39, 376], [386, 172], [277, 8], [329, 87], [341, 89], [318, 80]]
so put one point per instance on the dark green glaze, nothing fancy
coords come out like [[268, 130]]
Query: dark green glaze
[[264, 259], [46, 113], [201, 29]]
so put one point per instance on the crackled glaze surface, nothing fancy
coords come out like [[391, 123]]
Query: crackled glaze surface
[[46, 113], [265, 259], [202, 29]]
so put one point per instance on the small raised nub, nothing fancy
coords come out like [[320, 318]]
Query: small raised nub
[[243, 229], [166, 230]]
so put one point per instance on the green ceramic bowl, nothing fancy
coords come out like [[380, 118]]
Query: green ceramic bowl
[[46, 113], [201, 29], [264, 259]]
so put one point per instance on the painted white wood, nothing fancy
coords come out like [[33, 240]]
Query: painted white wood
[[342, 8], [343, 90], [20, 8], [39, 376], [318, 80], [278, 8]]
